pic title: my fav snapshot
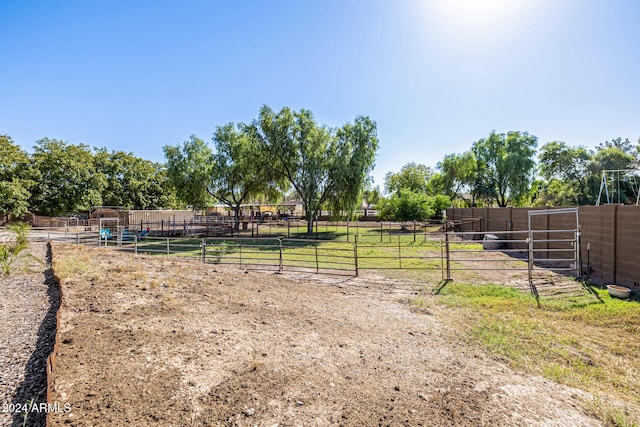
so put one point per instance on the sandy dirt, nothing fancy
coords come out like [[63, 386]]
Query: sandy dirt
[[149, 341]]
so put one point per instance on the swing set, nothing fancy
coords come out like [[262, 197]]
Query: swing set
[[614, 176]]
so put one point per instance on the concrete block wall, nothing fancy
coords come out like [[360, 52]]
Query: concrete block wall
[[610, 235]]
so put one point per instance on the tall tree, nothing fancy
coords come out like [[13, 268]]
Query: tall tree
[[16, 179], [189, 168], [239, 168], [566, 172], [508, 161], [132, 182], [461, 177], [234, 173], [412, 176], [69, 181], [357, 144], [322, 164]]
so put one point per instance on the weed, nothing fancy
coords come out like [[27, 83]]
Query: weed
[[26, 413], [612, 415], [76, 264], [16, 248]]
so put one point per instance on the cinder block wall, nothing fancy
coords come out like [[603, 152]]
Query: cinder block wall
[[610, 235]]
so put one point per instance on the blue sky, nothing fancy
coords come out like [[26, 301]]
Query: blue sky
[[435, 75]]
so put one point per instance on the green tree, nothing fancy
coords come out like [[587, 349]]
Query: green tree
[[461, 177], [239, 169], [507, 161], [616, 154], [189, 169], [17, 177], [323, 165], [565, 170], [234, 173], [69, 180], [371, 196], [412, 176], [407, 205], [132, 182]]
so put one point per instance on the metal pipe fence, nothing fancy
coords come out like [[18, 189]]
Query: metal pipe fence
[[525, 251], [363, 252], [448, 252]]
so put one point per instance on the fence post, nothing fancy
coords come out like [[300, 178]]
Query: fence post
[[77, 238], [448, 256], [135, 244], [414, 231], [168, 249], [400, 253], [355, 252], [203, 246], [530, 255], [288, 228], [280, 261], [347, 230], [317, 267], [442, 254], [380, 231]]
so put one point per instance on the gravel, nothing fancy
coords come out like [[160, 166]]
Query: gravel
[[28, 303]]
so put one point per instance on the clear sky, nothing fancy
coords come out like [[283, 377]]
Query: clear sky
[[435, 75]]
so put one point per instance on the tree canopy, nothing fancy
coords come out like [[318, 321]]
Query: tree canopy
[[323, 165], [69, 179], [17, 177], [460, 177], [412, 176], [507, 163], [233, 173]]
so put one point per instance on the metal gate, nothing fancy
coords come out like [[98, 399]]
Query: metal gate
[[557, 250]]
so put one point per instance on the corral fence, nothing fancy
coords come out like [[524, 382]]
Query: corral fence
[[348, 255], [400, 247], [608, 235]]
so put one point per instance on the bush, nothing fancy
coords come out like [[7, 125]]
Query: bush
[[407, 205], [13, 250]]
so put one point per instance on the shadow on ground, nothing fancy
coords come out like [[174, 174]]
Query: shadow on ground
[[34, 386]]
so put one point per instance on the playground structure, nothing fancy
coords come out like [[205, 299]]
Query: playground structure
[[615, 177]]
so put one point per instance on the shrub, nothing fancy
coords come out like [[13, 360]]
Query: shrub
[[15, 249]]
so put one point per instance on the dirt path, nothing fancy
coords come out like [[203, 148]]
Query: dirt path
[[156, 342]]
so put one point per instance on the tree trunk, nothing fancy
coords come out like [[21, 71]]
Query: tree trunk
[[310, 220], [236, 209]]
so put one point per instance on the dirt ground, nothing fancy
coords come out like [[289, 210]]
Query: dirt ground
[[151, 341]]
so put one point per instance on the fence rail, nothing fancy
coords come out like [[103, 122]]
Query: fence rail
[[362, 252], [447, 252]]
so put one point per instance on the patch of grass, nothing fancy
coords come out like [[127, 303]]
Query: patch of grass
[[593, 346], [73, 262], [612, 415]]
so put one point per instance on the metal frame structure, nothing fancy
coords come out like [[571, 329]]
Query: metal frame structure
[[605, 187], [574, 241]]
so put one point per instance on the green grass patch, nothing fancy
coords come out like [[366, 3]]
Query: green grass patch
[[593, 346]]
